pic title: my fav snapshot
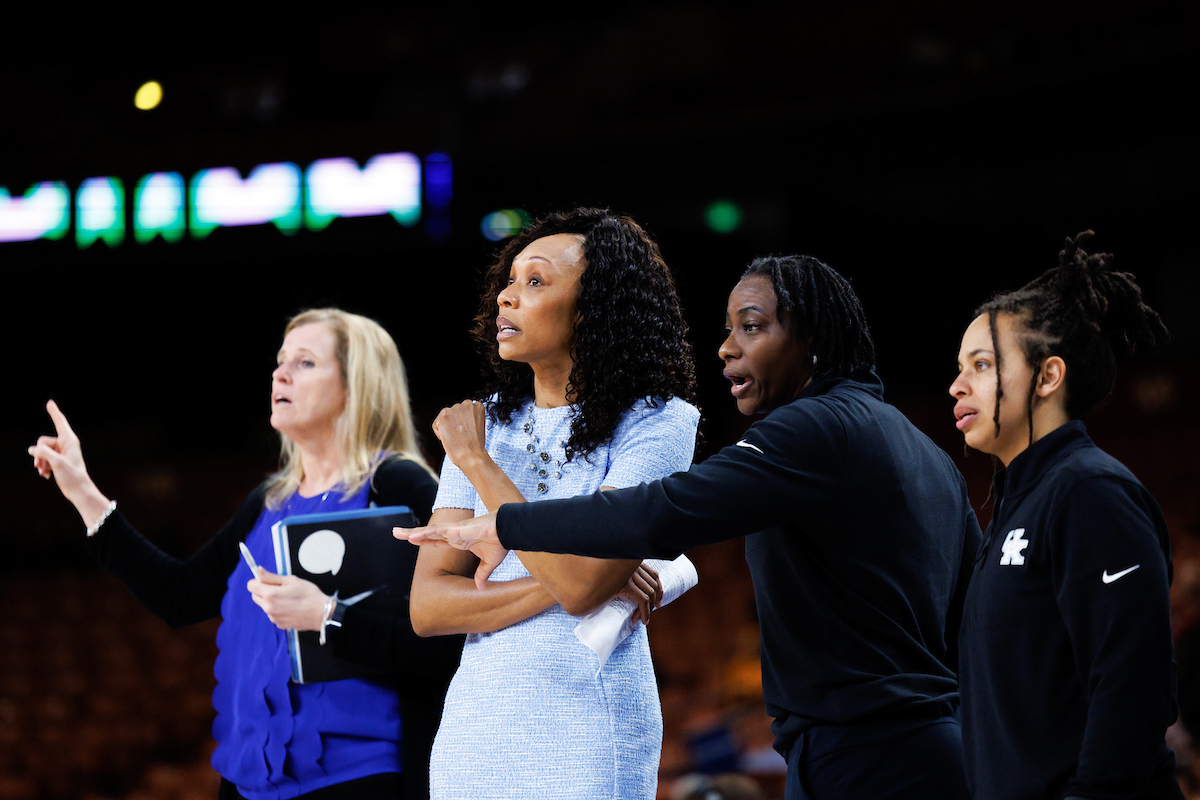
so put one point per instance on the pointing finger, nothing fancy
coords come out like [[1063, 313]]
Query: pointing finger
[[426, 535], [60, 420]]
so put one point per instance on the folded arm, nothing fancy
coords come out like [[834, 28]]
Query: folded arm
[[577, 583], [445, 599]]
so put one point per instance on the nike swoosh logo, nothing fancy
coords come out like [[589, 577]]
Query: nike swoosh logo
[[748, 446], [1110, 578]]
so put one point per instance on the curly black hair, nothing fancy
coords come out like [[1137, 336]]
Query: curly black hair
[[1083, 311], [630, 340], [825, 313]]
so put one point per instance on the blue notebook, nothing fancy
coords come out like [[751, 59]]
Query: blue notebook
[[351, 553]]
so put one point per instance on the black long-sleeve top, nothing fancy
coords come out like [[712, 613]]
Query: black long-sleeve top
[[1067, 669], [860, 544], [376, 633]]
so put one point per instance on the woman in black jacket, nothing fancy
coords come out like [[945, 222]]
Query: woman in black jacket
[[340, 403], [1065, 647], [859, 538]]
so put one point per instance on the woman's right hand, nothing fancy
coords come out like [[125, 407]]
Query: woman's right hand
[[62, 457], [645, 589], [461, 429]]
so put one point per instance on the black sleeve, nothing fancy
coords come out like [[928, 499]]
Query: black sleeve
[[378, 631], [1111, 570], [400, 482], [791, 454], [972, 541], [181, 592]]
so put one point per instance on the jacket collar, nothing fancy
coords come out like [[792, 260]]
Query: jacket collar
[[867, 381], [1024, 471]]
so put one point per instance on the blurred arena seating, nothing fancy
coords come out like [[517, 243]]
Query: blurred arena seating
[[98, 698]]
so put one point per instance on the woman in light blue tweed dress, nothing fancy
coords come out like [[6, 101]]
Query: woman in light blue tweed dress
[[592, 385]]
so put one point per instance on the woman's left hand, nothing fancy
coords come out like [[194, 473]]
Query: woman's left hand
[[461, 429], [290, 602], [644, 589]]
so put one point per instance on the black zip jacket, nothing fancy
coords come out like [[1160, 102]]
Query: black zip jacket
[[860, 542], [1066, 658]]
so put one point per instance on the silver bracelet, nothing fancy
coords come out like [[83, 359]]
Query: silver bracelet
[[112, 506], [327, 617]]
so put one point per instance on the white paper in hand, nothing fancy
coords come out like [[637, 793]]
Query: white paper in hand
[[607, 627]]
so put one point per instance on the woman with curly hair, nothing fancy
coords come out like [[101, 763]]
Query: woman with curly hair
[[592, 383], [859, 539], [1067, 675]]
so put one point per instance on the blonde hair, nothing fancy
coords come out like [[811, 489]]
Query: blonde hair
[[377, 419]]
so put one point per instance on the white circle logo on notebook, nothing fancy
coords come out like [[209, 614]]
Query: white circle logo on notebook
[[322, 552]]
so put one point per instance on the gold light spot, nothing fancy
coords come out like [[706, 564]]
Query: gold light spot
[[148, 96]]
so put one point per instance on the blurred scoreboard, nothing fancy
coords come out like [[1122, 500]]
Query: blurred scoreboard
[[166, 205]]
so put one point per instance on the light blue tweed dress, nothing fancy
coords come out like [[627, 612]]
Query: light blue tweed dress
[[526, 715]]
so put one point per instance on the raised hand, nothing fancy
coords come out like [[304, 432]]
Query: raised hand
[[461, 428], [477, 535], [62, 457], [290, 602]]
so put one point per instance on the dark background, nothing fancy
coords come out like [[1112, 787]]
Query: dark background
[[933, 152]]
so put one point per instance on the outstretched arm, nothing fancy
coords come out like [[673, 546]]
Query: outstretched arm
[[180, 592], [787, 465]]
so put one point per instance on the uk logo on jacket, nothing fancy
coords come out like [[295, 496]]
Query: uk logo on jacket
[[1011, 549]]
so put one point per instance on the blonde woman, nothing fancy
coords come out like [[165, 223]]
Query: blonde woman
[[339, 401]]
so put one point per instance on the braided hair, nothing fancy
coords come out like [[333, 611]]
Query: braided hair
[[1083, 311], [630, 340], [825, 313]]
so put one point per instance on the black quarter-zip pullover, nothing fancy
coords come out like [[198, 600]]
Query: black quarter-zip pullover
[[859, 539], [1066, 660]]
